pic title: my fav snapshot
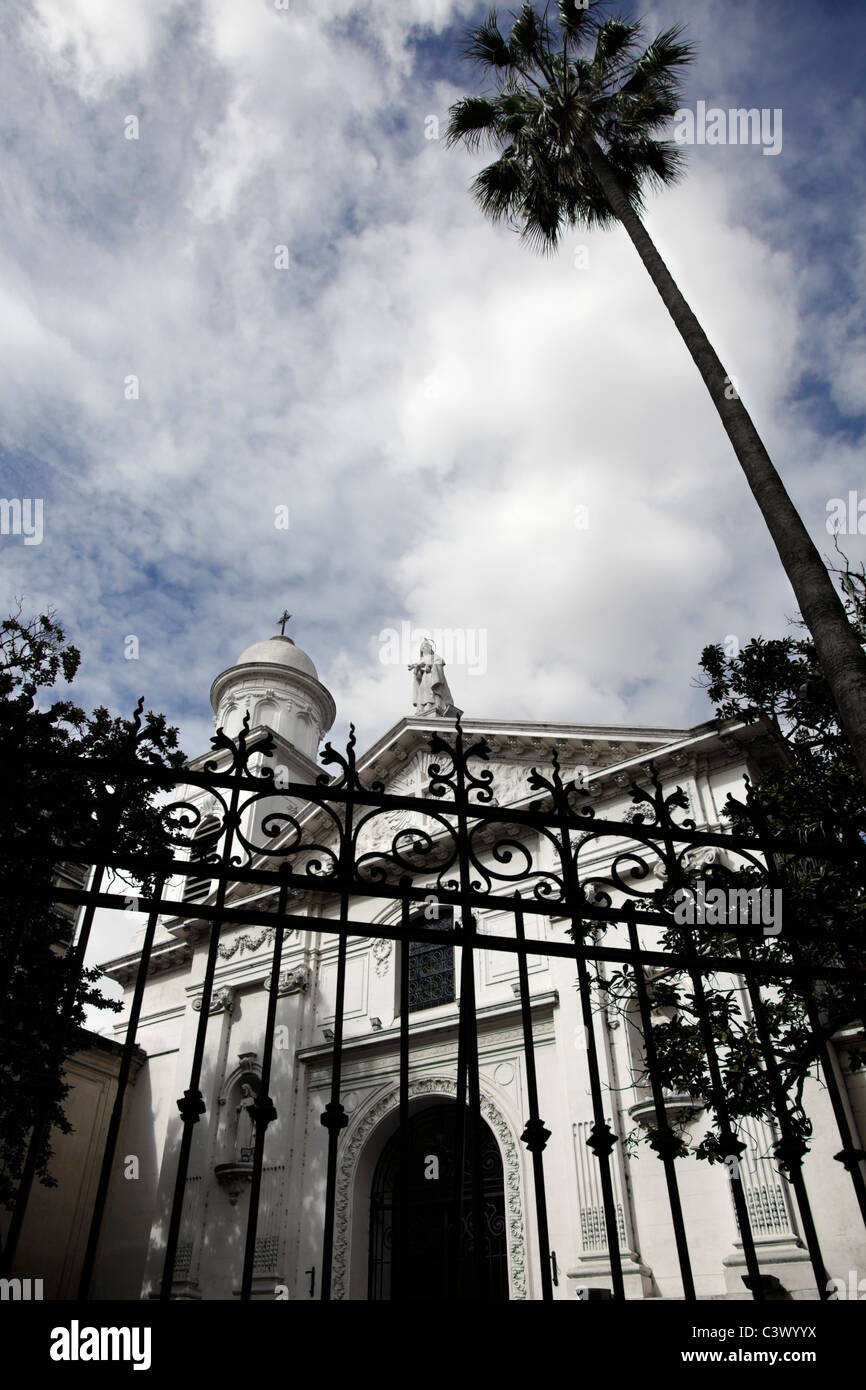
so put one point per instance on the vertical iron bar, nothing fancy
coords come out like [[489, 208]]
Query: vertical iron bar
[[850, 1156], [42, 1126], [334, 1117], [400, 1274], [601, 1140], [480, 1289], [664, 1141], [120, 1095], [263, 1112], [456, 1233], [468, 1015], [535, 1134], [191, 1105], [731, 1146], [791, 1150]]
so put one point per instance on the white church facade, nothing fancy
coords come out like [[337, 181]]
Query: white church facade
[[277, 685]]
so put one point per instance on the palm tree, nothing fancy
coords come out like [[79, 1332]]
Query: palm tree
[[578, 135]]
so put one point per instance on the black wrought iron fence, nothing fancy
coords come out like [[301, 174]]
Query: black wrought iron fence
[[457, 848]]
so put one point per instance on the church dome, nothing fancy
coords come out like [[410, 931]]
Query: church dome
[[277, 685], [278, 651]]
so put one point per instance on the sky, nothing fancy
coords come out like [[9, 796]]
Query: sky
[[243, 281]]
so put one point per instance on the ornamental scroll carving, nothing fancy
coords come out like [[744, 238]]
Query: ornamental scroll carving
[[220, 999], [696, 860], [357, 1138], [292, 981]]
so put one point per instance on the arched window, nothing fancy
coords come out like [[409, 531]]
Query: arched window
[[431, 967], [204, 843]]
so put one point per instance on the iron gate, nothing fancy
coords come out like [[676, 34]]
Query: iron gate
[[457, 847]]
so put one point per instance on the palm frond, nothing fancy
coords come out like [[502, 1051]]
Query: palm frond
[[640, 115], [668, 52], [573, 17], [472, 120], [657, 63], [658, 163], [529, 35], [497, 188], [614, 42], [516, 100], [644, 163], [541, 215], [486, 45], [581, 74]]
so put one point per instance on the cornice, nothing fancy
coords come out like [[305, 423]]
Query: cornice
[[168, 955], [490, 1017], [273, 671], [602, 748]]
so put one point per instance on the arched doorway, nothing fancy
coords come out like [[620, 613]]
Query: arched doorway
[[430, 1211]]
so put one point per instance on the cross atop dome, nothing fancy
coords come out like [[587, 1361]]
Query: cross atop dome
[[286, 615]]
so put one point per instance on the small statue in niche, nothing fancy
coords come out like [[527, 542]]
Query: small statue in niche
[[245, 1136]]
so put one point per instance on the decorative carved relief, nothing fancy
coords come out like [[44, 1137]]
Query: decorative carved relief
[[290, 981], [645, 808], [247, 943], [357, 1138], [381, 954], [698, 859], [379, 832], [510, 782], [704, 858], [223, 998]]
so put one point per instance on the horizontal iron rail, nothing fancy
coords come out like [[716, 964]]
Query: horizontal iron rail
[[395, 932], [318, 795], [358, 887], [629, 832]]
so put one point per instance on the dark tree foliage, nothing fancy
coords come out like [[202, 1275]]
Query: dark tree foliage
[[811, 794], [44, 805]]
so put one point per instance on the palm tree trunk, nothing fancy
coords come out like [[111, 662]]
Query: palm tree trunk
[[836, 643]]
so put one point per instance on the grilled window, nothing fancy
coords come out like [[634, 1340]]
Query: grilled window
[[431, 969]]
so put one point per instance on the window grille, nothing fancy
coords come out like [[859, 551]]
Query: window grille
[[431, 969]]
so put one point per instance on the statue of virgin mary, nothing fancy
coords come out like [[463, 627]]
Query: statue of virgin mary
[[430, 694]]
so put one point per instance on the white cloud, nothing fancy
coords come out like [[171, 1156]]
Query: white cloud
[[430, 399], [95, 44]]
